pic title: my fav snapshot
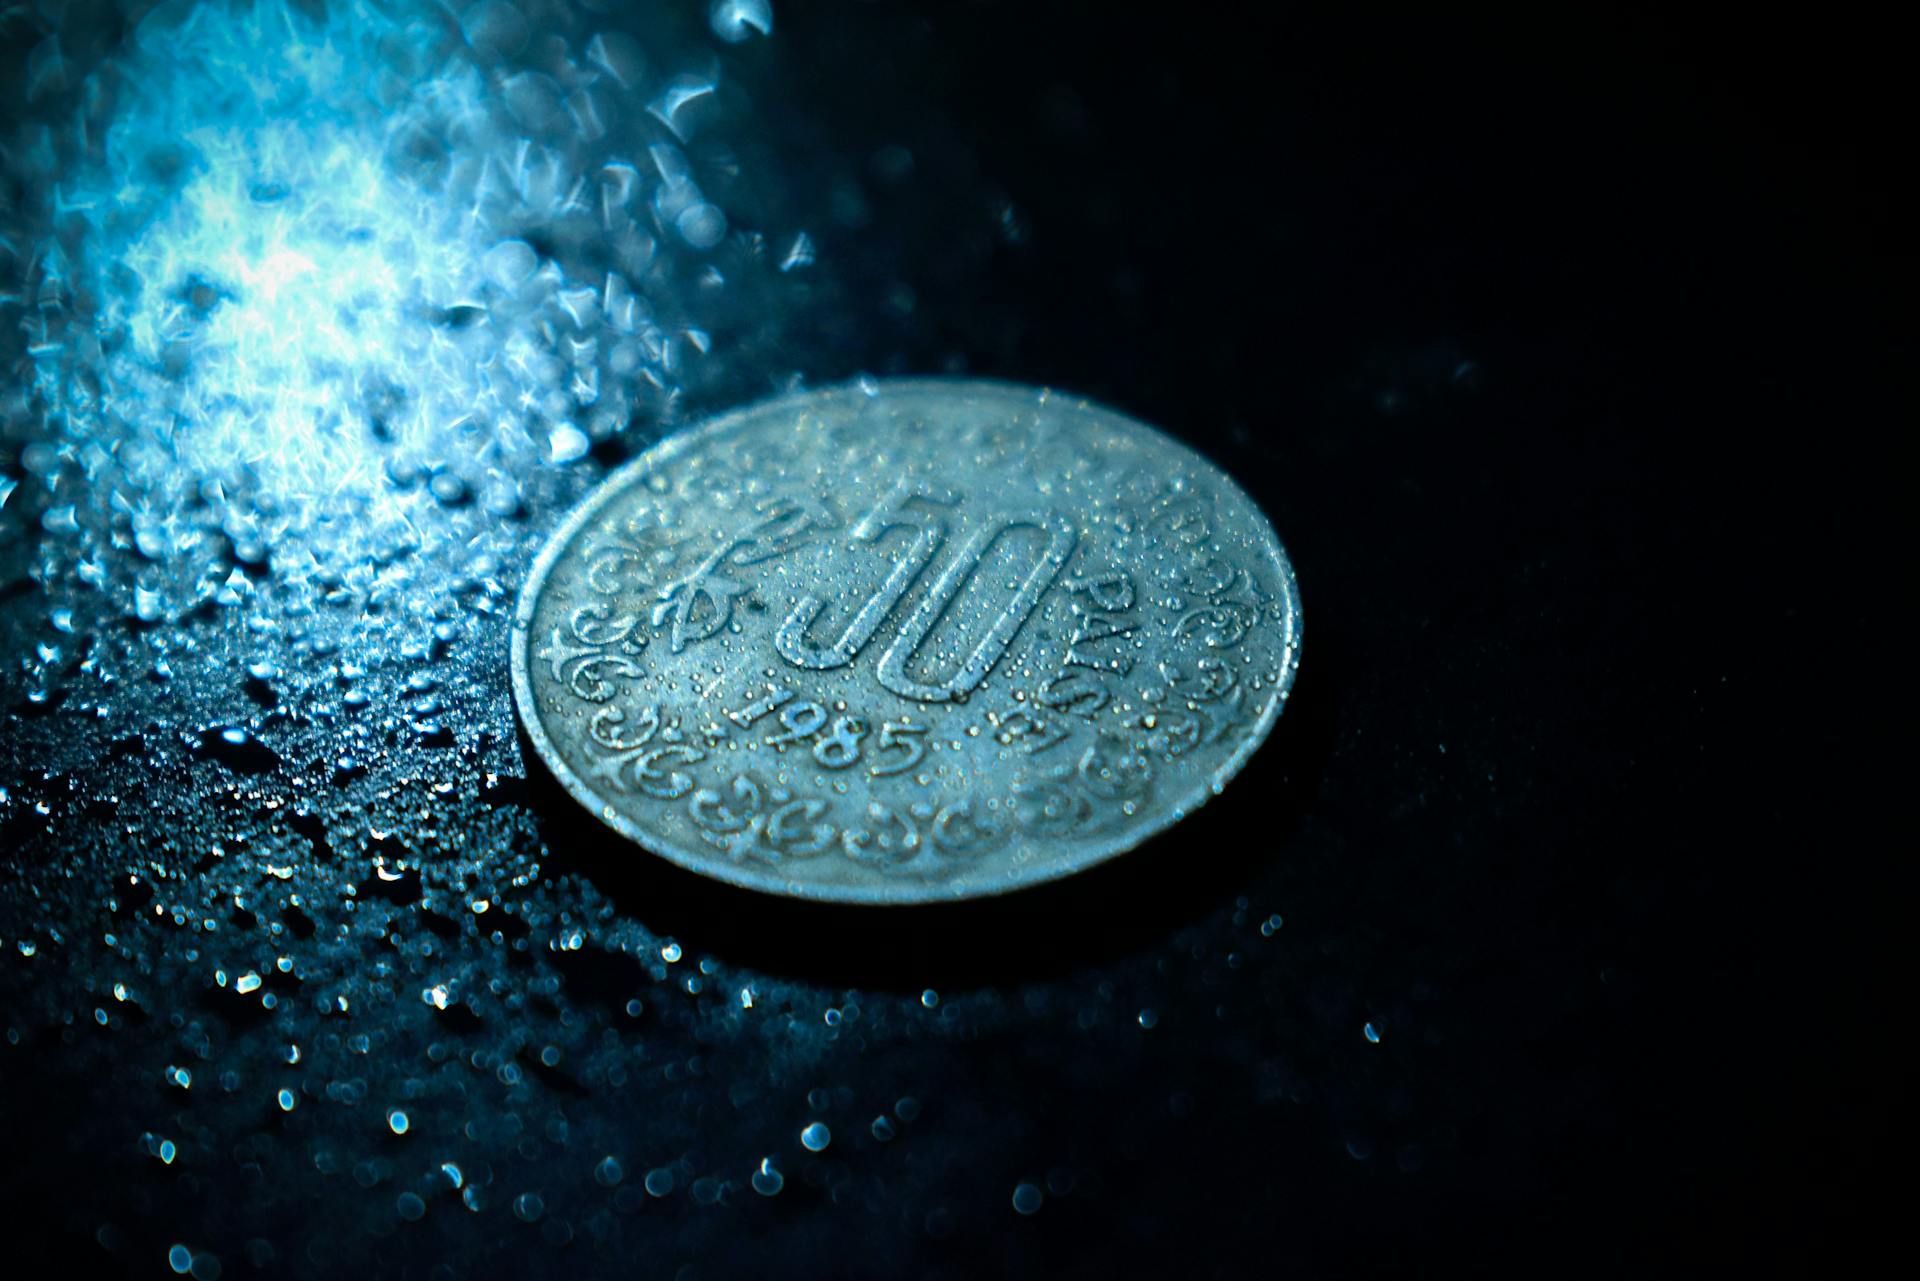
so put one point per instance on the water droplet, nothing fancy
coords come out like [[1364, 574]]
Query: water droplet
[[510, 264], [1027, 1198], [566, 443], [816, 1137], [799, 255], [737, 20], [701, 225], [449, 489], [767, 1179], [495, 28]]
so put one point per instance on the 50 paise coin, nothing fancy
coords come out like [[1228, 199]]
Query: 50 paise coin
[[907, 641]]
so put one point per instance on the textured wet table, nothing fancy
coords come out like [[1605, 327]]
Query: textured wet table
[[305, 971]]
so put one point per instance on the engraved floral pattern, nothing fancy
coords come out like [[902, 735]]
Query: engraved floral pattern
[[592, 650]]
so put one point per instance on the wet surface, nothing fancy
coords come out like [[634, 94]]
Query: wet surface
[[1507, 939]]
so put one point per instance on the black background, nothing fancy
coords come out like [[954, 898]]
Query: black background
[[1635, 561], [1562, 350]]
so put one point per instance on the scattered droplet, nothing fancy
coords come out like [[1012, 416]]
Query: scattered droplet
[[737, 20], [701, 225], [511, 263], [799, 255]]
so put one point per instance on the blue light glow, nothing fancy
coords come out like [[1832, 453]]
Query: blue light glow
[[288, 275]]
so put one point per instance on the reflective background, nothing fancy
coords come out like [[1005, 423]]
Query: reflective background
[[1536, 933]]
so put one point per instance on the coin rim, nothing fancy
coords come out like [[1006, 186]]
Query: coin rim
[[967, 885]]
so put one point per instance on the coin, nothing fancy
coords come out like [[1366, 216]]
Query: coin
[[905, 641]]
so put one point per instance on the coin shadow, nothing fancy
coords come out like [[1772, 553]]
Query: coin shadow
[[1128, 903]]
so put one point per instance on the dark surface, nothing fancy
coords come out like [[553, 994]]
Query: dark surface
[[1557, 354]]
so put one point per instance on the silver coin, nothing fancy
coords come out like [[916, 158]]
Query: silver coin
[[906, 641]]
